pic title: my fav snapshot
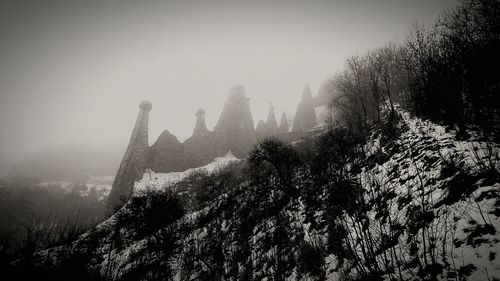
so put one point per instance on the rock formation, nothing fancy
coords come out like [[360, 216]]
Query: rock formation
[[235, 128], [260, 131], [234, 132], [271, 123], [167, 154], [134, 161], [305, 118], [200, 129], [283, 128], [268, 128], [200, 148]]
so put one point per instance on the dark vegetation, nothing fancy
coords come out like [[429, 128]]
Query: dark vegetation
[[149, 211], [448, 72], [271, 156], [200, 188]]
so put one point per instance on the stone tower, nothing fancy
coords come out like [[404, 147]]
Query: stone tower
[[200, 129], [271, 123], [283, 128], [201, 147], [235, 128], [305, 118], [133, 163]]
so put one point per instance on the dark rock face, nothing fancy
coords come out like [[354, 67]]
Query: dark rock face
[[199, 151], [283, 128], [134, 161], [167, 154], [199, 148], [235, 128], [305, 118]]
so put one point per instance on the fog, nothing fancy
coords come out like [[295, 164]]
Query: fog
[[73, 72]]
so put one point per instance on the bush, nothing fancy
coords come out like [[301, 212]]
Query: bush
[[211, 186], [280, 157], [333, 150], [149, 211], [199, 188], [312, 258]]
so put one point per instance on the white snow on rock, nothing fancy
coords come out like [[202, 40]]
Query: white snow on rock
[[153, 180]]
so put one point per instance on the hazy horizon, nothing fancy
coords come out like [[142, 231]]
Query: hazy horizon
[[76, 72]]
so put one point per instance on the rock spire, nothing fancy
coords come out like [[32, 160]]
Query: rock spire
[[235, 128], [133, 163], [200, 129], [271, 123], [305, 118], [283, 128]]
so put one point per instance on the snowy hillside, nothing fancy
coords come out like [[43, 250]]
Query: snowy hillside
[[432, 170], [428, 205]]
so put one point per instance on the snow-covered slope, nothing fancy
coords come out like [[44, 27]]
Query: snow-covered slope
[[457, 180], [254, 232], [152, 180]]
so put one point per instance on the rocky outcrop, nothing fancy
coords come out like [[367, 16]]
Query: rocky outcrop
[[269, 128], [234, 132], [134, 161], [283, 127], [200, 129], [305, 118], [235, 128], [200, 147], [167, 154]]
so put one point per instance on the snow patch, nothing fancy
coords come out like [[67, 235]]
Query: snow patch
[[153, 180]]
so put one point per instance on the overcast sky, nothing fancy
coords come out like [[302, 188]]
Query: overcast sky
[[73, 71]]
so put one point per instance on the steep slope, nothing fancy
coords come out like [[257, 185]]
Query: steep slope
[[428, 205]]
